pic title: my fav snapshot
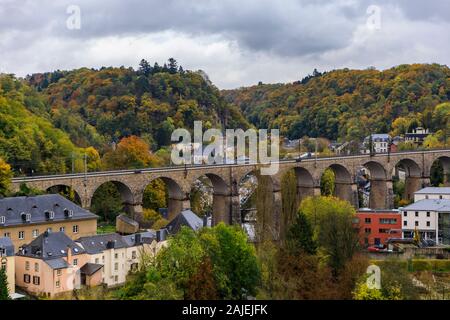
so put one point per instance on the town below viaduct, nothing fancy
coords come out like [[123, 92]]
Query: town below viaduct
[[225, 180]]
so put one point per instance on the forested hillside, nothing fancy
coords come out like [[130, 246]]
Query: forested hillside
[[28, 139], [100, 106], [348, 104], [49, 121]]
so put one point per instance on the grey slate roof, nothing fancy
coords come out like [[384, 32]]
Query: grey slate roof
[[90, 268], [439, 205], [6, 247], [99, 243], [434, 190], [56, 264], [185, 218], [377, 137], [50, 246], [128, 220], [146, 237], [13, 207]]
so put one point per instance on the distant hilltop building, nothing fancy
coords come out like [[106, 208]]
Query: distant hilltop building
[[380, 143], [417, 136]]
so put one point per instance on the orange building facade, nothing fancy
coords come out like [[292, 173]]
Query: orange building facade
[[377, 226]]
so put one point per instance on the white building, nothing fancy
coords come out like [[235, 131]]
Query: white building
[[380, 143], [432, 193], [431, 217]]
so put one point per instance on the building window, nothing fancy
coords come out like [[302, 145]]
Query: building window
[[367, 230], [383, 230], [133, 255], [7, 235], [75, 229], [417, 223], [116, 266], [428, 214], [405, 223], [58, 284], [35, 233], [116, 278], [405, 213], [388, 221], [103, 259], [62, 229], [96, 260], [21, 235], [27, 265], [75, 262], [116, 256], [417, 214], [426, 197], [367, 220], [36, 267], [26, 278], [440, 197], [36, 280], [58, 272], [428, 223]]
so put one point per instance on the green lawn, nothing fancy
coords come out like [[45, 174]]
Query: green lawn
[[107, 228]]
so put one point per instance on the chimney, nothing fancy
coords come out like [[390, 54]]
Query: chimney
[[69, 255], [137, 239], [161, 235]]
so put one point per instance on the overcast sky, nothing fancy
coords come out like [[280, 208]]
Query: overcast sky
[[236, 42]]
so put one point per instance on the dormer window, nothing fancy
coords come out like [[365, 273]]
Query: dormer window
[[2, 219], [26, 217], [50, 215], [68, 213]]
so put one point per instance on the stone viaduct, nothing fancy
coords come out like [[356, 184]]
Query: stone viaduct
[[225, 180]]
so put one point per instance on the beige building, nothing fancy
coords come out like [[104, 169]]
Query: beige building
[[7, 262], [53, 264], [118, 254], [23, 219]]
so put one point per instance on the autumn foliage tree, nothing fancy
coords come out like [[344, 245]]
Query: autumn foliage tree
[[131, 152], [5, 177]]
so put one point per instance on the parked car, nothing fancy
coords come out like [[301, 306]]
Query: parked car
[[373, 249]]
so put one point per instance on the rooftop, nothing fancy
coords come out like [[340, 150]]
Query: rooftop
[[90, 268], [6, 247], [101, 242], [42, 208], [185, 218], [434, 190], [50, 246], [380, 211], [440, 205]]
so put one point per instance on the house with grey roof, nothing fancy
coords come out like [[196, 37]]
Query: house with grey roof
[[23, 219], [51, 264], [380, 143], [119, 255], [430, 217], [432, 193], [188, 219]]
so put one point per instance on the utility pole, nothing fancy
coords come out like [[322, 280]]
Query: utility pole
[[73, 162], [85, 169], [315, 153]]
